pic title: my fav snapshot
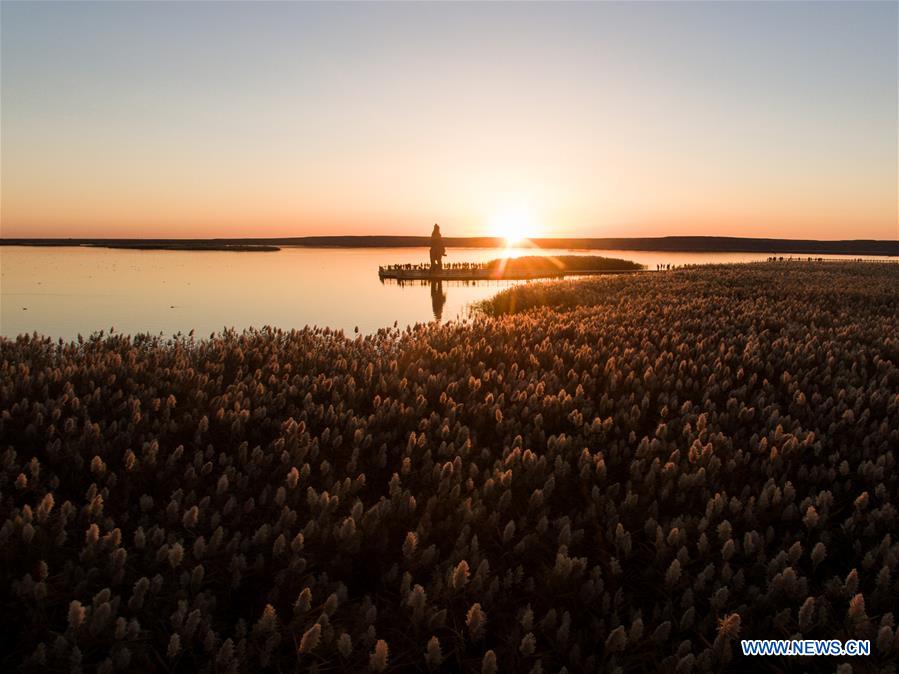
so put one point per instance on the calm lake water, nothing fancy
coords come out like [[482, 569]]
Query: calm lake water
[[62, 292]]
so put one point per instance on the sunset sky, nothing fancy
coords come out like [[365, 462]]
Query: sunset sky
[[601, 119]]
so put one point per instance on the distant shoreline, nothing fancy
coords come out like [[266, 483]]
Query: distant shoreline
[[672, 244], [139, 244]]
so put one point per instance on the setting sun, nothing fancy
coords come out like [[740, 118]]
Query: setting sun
[[514, 224]]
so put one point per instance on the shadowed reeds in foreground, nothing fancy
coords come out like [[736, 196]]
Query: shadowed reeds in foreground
[[614, 474]]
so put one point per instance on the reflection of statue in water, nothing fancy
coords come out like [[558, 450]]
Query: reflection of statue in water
[[438, 299], [438, 251]]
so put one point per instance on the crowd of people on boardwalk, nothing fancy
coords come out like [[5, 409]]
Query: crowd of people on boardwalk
[[460, 266], [773, 258], [781, 258]]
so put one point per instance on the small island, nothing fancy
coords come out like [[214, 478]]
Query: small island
[[513, 268]]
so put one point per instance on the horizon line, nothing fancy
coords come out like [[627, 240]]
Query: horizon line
[[669, 244], [485, 237]]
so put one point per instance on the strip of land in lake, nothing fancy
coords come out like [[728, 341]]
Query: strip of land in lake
[[684, 244]]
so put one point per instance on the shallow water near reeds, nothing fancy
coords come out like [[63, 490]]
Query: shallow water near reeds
[[64, 292]]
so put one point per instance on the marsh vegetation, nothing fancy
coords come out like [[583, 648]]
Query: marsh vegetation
[[560, 264], [612, 474]]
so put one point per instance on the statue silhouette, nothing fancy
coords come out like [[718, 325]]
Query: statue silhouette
[[438, 251]]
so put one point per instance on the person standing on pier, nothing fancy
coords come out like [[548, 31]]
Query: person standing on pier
[[438, 251]]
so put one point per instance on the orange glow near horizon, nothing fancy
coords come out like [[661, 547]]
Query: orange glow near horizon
[[50, 214]]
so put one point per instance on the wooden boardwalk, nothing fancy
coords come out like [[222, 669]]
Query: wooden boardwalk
[[423, 273]]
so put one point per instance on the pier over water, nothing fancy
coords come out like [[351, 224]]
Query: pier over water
[[529, 267]]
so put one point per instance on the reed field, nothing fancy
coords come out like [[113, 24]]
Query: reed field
[[561, 263], [616, 474]]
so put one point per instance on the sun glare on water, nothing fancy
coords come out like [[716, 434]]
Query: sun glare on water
[[515, 225]]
